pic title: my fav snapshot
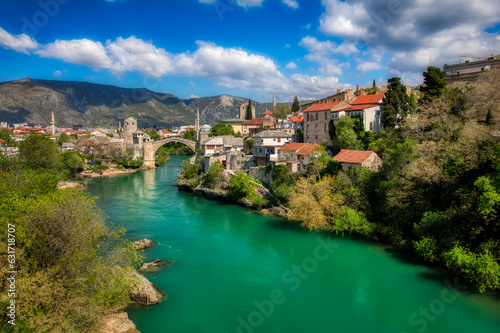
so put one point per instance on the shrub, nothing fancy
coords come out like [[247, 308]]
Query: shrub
[[350, 220], [426, 248], [212, 176], [480, 269]]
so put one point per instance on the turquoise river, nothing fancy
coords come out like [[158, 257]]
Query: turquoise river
[[241, 272]]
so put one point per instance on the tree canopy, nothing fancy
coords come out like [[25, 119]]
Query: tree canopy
[[249, 115], [295, 105], [221, 129], [434, 82], [397, 104], [281, 111]]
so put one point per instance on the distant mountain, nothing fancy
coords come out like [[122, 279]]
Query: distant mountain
[[84, 103], [90, 104]]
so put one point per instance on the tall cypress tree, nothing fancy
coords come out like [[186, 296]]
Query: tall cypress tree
[[295, 105], [489, 117], [397, 104], [249, 110]]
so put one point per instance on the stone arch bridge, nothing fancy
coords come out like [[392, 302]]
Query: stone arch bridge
[[150, 148]]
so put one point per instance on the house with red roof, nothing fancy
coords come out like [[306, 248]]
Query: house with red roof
[[367, 106], [266, 145], [165, 134], [359, 158], [256, 125], [316, 119], [267, 114], [297, 153]]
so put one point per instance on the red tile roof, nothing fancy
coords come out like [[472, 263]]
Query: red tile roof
[[255, 121], [368, 99], [297, 119], [323, 106], [300, 148], [353, 156], [358, 107], [267, 112], [1, 141]]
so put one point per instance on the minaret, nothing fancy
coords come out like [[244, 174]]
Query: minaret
[[197, 125], [53, 124], [274, 100]]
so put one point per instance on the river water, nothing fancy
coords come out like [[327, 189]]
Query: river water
[[242, 272]]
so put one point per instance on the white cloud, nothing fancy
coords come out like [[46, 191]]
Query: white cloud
[[291, 3], [193, 96], [20, 43], [249, 3], [57, 73], [308, 26], [366, 66], [77, 51], [323, 53], [134, 54], [417, 33], [192, 85], [291, 65]]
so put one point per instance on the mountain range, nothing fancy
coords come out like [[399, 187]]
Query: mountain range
[[97, 105]]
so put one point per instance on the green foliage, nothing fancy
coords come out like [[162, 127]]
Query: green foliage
[[63, 138], [190, 171], [39, 152], [397, 104], [249, 144], [190, 134], [299, 135], [346, 134], [489, 200], [332, 131], [73, 161], [66, 256], [249, 115], [281, 111], [212, 176], [221, 129], [5, 136], [73, 136], [426, 248], [435, 83], [481, 269], [283, 180], [242, 189], [295, 105], [489, 117], [373, 90], [350, 220], [154, 136]]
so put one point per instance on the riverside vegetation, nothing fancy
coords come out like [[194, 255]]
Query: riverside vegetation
[[67, 254], [439, 192]]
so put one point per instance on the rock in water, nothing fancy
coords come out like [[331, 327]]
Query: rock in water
[[142, 244], [156, 264], [143, 292], [118, 323]]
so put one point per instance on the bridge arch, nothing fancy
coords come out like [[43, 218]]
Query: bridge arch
[[151, 148]]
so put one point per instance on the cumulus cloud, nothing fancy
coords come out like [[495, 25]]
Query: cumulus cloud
[[20, 43], [367, 66], [291, 3], [415, 33], [57, 73], [323, 53], [77, 51], [241, 3], [291, 65]]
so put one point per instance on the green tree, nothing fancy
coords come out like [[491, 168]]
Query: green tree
[[373, 90], [346, 135], [249, 144], [397, 105], [295, 105], [299, 135], [5, 136], [489, 117], [434, 83], [63, 138], [249, 110], [332, 131], [221, 129], [190, 134], [212, 176], [281, 111], [39, 151]]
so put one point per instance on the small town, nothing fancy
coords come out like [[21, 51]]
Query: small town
[[182, 167]]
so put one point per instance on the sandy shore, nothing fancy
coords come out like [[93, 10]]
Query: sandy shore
[[115, 172]]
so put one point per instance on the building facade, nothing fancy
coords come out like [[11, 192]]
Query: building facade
[[243, 111]]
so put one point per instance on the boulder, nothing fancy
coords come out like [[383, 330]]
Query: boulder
[[142, 244], [118, 323], [280, 211], [156, 264], [143, 292]]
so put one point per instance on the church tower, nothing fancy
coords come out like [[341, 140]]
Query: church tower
[[274, 100]]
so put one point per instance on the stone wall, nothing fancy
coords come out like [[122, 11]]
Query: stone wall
[[260, 174]]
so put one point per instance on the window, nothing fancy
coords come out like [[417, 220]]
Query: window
[[308, 117], [279, 139], [316, 116], [371, 125], [325, 128], [316, 128], [326, 115]]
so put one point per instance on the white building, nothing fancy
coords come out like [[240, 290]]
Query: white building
[[221, 144], [367, 106], [267, 143]]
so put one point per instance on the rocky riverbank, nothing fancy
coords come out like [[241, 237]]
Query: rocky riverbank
[[220, 192]]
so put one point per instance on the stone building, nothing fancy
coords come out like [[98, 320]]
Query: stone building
[[359, 158], [243, 111], [266, 145], [470, 70], [129, 128]]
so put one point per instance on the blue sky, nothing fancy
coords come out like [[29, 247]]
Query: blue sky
[[248, 48]]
